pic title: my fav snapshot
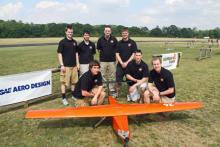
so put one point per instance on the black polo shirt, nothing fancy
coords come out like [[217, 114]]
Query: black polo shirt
[[68, 49], [126, 49], [86, 52], [137, 71], [163, 80], [107, 49], [86, 82]]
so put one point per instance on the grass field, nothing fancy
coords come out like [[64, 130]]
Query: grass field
[[195, 81]]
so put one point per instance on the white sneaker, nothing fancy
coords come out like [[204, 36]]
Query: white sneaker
[[115, 95], [75, 99], [65, 102], [128, 98]]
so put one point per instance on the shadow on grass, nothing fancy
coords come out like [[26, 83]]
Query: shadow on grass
[[217, 53], [86, 122], [67, 123], [160, 118]]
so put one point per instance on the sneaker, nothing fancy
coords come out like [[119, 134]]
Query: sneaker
[[128, 98], [115, 95], [65, 102], [75, 99]]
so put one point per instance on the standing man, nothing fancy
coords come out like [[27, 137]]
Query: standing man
[[218, 41], [86, 51], [124, 54], [106, 46], [161, 87], [137, 74], [89, 88], [69, 62]]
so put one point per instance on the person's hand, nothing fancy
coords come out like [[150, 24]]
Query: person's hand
[[62, 68], [138, 81], [78, 67], [156, 96], [126, 64], [94, 101], [123, 65], [155, 92]]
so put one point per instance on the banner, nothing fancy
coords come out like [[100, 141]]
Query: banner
[[22, 87], [171, 60]]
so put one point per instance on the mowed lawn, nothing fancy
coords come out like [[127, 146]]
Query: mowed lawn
[[195, 81]]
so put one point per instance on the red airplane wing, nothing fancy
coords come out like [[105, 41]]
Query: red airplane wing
[[112, 110]]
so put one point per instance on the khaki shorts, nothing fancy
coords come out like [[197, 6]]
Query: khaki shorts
[[164, 99], [70, 77], [86, 101]]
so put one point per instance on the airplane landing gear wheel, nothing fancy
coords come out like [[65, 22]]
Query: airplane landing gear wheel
[[126, 140]]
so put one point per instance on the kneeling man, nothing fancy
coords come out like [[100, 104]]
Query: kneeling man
[[137, 75], [161, 87], [89, 88]]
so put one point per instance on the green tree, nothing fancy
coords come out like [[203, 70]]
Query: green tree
[[156, 32]]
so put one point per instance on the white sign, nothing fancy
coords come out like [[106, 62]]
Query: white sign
[[170, 61], [22, 87]]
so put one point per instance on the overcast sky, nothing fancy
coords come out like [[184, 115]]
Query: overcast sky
[[203, 14]]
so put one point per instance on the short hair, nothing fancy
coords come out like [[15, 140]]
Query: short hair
[[94, 63], [68, 27], [155, 59], [86, 32], [138, 51], [124, 29], [107, 26]]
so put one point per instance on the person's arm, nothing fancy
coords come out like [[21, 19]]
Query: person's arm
[[93, 49], [134, 48], [117, 54], [170, 83], [138, 82], [99, 45], [129, 77], [119, 58], [129, 60], [143, 80], [77, 56], [87, 94], [97, 94], [60, 57], [77, 61], [152, 89], [167, 92], [95, 98], [150, 86]]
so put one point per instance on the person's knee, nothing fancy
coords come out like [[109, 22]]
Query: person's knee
[[146, 93], [130, 90], [102, 94], [101, 98], [146, 97], [156, 98], [94, 90]]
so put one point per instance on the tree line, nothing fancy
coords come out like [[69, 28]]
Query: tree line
[[18, 29]]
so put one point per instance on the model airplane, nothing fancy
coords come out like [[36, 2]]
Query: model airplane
[[118, 112]]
